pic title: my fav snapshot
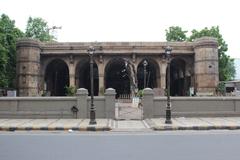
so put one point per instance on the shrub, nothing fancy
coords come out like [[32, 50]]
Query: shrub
[[70, 90]]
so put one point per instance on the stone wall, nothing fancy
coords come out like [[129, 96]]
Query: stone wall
[[61, 107], [190, 106], [58, 107]]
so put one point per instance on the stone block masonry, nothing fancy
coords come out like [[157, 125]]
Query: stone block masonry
[[155, 106], [49, 67], [57, 107]]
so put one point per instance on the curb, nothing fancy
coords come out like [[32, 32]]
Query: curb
[[172, 128], [55, 128]]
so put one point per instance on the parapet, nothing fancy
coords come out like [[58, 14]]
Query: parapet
[[205, 42], [28, 42]]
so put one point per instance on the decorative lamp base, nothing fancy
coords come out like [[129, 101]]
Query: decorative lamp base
[[168, 117], [92, 122], [92, 117]]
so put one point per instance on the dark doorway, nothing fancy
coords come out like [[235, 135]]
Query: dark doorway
[[57, 77], [116, 77], [83, 76], [151, 74], [179, 83]]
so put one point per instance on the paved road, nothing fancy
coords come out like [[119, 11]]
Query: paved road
[[184, 145]]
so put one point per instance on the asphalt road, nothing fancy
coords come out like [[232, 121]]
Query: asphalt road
[[184, 145]]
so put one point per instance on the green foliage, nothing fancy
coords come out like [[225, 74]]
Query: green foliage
[[8, 36], [226, 63], [212, 32], [3, 66], [37, 28], [140, 93], [175, 33], [70, 90], [221, 88], [44, 94], [227, 69]]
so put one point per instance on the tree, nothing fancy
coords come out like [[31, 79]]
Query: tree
[[8, 36], [37, 28], [227, 69], [175, 33], [226, 63]]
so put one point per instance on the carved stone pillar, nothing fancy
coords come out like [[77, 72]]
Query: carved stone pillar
[[163, 70], [71, 72], [101, 79]]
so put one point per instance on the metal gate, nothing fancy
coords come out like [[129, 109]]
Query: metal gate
[[128, 108]]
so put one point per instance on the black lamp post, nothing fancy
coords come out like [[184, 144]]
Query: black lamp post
[[168, 120], [145, 63], [91, 51]]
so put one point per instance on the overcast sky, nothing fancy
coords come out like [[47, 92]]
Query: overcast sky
[[128, 20]]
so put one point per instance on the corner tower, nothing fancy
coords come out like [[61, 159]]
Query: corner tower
[[206, 65], [28, 67]]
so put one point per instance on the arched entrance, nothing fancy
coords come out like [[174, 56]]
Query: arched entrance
[[83, 76], [151, 74], [57, 77], [178, 81], [116, 77]]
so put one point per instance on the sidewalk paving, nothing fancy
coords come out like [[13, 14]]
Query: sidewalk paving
[[54, 124], [158, 124], [205, 123]]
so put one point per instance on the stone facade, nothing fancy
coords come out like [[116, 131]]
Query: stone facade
[[44, 67]]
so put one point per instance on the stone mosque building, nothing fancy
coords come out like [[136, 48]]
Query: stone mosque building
[[50, 67]]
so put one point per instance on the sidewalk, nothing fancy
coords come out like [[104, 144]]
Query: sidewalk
[[205, 123], [54, 124], [122, 125]]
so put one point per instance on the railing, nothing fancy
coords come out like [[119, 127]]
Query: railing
[[128, 108], [125, 98]]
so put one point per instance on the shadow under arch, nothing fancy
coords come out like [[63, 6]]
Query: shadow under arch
[[83, 76], [116, 77], [179, 82], [152, 74], [56, 77]]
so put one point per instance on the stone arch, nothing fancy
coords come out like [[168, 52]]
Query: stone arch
[[82, 76], [179, 84], [56, 77], [116, 77], [152, 74], [47, 61]]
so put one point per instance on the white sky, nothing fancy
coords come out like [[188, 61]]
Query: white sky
[[128, 20]]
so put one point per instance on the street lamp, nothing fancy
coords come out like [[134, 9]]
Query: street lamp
[[145, 63], [53, 30], [168, 120], [91, 51]]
